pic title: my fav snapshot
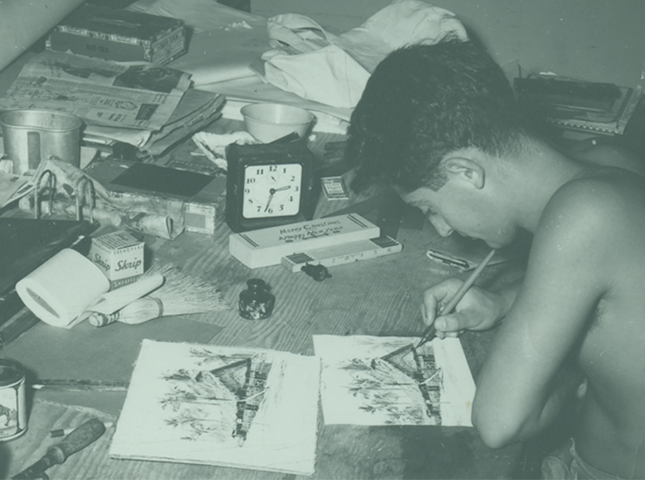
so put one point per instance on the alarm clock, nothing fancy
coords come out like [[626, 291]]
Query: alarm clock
[[268, 185]]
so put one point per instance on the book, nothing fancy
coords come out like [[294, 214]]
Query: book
[[226, 406], [614, 125], [267, 246], [592, 107], [119, 35]]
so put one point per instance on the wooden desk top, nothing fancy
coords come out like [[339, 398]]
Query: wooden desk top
[[381, 296]]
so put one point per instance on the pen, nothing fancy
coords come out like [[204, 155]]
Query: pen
[[456, 298]]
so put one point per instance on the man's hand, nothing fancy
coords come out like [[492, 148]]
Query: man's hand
[[478, 310]]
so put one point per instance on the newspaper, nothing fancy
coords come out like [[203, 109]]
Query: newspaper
[[196, 110], [101, 92]]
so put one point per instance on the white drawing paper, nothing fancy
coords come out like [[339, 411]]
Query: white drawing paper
[[359, 387], [234, 407]]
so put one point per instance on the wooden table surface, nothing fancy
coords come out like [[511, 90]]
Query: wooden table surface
[[376, 297]]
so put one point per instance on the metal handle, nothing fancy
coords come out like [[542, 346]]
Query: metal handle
[[82, 188], [51, 184]]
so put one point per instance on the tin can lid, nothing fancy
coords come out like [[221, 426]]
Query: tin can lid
[[10, 371]]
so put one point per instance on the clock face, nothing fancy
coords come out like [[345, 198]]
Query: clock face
[[272, 190]]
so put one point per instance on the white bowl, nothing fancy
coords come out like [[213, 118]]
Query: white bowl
[[270, 121]]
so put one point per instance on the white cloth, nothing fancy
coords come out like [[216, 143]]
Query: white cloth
[[333, 70]]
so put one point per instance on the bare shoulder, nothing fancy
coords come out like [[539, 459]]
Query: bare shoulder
[[593, 225], [603, 198]]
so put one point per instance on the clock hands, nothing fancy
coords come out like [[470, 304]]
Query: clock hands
[[272, 192]]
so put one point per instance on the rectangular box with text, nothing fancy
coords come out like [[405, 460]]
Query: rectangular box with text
[[120, 256], [119, 35], [267, 246]]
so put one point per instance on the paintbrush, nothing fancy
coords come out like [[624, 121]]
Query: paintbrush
[[80, 385], [181, 294], [431, 331]]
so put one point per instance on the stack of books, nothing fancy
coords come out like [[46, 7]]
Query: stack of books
[[591, 107]]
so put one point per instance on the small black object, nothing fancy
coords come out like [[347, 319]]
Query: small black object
[[256, 302], [317, 272]]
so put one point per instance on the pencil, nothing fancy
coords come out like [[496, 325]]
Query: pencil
[[456, 298]]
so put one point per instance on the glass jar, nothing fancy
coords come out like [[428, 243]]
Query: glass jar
[[256, 302]]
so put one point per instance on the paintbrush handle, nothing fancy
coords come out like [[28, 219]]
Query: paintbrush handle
[[140, 311], [458, 295]]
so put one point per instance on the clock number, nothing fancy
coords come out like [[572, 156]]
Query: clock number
[[272, 190]]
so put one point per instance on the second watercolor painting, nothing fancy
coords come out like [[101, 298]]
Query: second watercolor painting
[[369, 380]]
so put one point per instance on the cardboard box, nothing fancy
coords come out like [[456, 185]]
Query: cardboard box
[[199, 198], [267, 246], [120, 35], [120, 256]]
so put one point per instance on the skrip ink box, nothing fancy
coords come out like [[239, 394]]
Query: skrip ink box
[[120, 256]]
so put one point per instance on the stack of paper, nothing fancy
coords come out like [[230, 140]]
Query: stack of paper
[[148, 106], [234, 407]]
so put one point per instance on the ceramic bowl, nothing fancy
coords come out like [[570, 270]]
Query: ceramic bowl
[[268, 122]]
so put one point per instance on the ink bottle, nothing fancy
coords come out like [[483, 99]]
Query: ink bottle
[[256, 302]]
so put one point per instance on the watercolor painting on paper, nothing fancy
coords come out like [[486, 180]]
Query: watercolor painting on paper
[[233, 407], [363, 383]]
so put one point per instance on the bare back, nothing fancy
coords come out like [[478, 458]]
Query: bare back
[[583, 294], [611, 433]]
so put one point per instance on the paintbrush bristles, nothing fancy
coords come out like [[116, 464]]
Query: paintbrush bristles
[[184, 293], [181, 294]]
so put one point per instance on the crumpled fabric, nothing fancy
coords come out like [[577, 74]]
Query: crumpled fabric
[[333, 70]]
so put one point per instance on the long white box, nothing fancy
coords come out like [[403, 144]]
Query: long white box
[[266, 247]]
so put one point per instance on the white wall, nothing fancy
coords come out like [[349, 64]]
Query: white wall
[[596, 40]]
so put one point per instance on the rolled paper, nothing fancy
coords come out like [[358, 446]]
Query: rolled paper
[[60, 289]]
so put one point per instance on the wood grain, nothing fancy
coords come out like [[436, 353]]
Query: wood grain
[[381, 296]]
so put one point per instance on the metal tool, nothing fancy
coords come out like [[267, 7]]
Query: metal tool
[[80, 438]]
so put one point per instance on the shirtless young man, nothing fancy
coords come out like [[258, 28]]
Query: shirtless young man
[[440, 124]]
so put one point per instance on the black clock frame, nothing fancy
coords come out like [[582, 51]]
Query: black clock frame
[[238, 157]]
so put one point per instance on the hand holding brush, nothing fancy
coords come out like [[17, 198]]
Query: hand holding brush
[[431, 330]]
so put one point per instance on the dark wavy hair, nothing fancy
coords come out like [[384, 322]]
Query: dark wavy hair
[[424, 101]]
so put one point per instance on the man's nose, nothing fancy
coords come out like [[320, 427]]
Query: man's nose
[[440, 224]]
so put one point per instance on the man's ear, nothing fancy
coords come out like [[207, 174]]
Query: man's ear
[[466, 169]]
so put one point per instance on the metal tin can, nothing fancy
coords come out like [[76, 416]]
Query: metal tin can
[[13, 401]]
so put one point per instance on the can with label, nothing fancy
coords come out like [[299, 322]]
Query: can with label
[[13, 401]]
